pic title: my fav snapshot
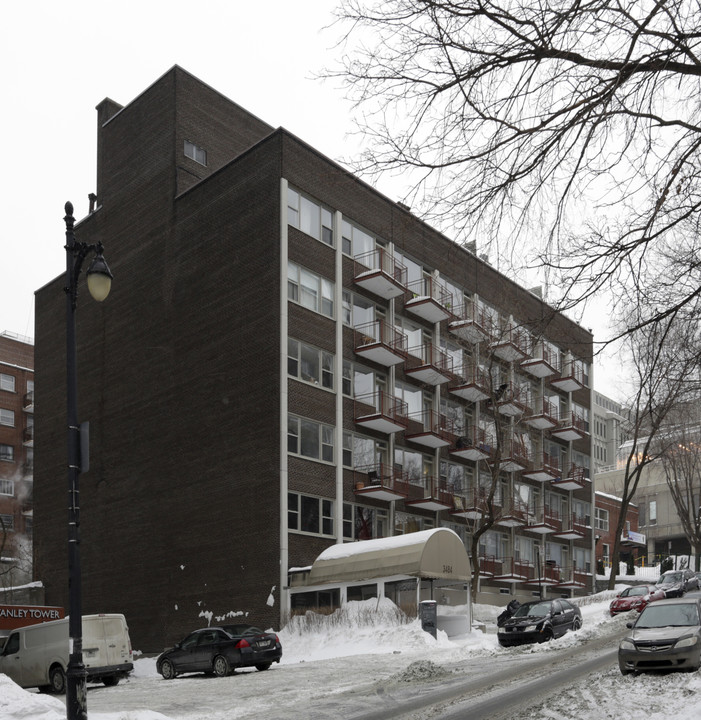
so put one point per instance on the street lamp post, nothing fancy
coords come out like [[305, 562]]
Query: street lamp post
[[99, 279]]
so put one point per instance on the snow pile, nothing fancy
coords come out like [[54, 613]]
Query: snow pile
[[19, 704]]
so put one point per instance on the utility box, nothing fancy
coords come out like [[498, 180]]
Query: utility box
[[428, 612]]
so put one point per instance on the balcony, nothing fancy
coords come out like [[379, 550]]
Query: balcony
[[28, 436], [433, 494], [513, 457], [574, 480], [513, 514], [513, 570], [472, 384], [489, 566], [430, 429], [476, 445], [380, 342], [570, 379], [543, 521], [429, 364], [573, 527], [470, 324], [544, 416], [549, 574], [381, 412], [510, 401], [380, 482], [542, 362], [429, 300], [573, 577], [378, 272], [570, 427], [28, 401], [545, 468], [471, 506], [511, 345]]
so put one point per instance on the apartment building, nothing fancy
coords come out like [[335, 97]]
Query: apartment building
[[16, 457], [290, 360], [607, 431]]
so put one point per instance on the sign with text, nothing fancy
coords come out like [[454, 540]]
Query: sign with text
[[16, 616]]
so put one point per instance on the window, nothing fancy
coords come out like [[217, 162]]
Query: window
[[653, 512], [7, 453], [309, 514], [309, 217], [363, 452], [356, 241], [310, 364], [7, 417], [582, 559], [7, 487], [7, 382], [195, 153], [310, 439], [7, 523], [602, 519], [364, 523], [309, 290]]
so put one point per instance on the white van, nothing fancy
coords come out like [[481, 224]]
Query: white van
[[37, 655]]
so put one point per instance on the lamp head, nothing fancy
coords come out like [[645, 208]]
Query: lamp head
[[99, 277]]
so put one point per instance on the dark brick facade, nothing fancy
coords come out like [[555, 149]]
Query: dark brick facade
[[179, 370]]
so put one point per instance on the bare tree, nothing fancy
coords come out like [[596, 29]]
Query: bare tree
[[666, 368], [573, 124], [682, 467]]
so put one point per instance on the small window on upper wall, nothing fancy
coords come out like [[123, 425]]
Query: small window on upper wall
[[195, 153]]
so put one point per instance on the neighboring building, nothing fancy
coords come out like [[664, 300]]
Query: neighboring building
[[16, 458], [289, 360], [606, 515], [658, 518], [606, 431]]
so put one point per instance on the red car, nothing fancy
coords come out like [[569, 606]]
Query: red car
[[636, 597]]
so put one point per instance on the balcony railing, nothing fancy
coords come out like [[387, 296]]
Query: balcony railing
[[543, 520], [380, 342], [28, 436], [429, 300], [570, 427], [514, 456], [380, 273], [510, 400], [380, 481], [544, 468], [573, 527], [514, 513], [574, 480], [28, 401], [543, 416], [471, 505], [381, 411], [432, 494], [510, 344], [515, 570], [471, 323], [472, 383], [429, 364], [572, 576], [570, 378], [476, 444], [431, 429], [543, 361]]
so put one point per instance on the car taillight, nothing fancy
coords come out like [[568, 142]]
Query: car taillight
[[243, 643]]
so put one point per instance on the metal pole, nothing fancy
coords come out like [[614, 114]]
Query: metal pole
[[76, 674]]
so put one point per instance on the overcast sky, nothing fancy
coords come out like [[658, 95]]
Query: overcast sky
[[61, 58]]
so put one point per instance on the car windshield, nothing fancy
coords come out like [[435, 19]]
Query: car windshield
[[677, 615], [637, 591], [533, 610], [668, 578]]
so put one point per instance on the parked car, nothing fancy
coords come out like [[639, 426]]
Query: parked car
[[665, 636], [539, 621], [220, 651], [636, 597], [676, 582]]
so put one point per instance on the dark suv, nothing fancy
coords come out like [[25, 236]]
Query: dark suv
[[675, 583]]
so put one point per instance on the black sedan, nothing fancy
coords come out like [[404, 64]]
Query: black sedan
[[220, 650], [539, 621]]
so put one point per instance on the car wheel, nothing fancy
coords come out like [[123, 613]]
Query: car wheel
[[576, 624], [547, 635], [263, 666], [58, 680], [167, 670], [110, 681], [221, 666]]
